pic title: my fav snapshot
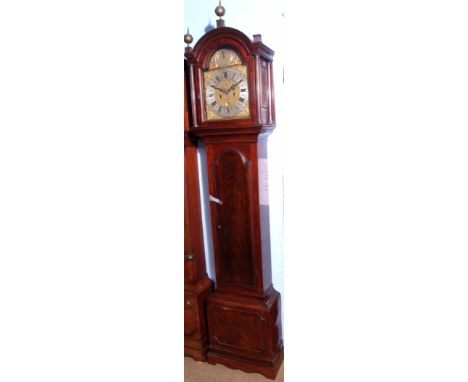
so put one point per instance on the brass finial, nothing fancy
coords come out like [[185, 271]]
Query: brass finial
[[220, 10], [188, 38]]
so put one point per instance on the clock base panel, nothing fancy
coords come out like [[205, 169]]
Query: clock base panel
[[245, 332]]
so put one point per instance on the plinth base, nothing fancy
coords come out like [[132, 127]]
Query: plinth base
[[245, 332]]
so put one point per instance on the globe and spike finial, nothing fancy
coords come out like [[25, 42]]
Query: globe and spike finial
[[188, 38], [220, 12]]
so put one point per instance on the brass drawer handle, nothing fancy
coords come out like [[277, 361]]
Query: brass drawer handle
[[187, 301]]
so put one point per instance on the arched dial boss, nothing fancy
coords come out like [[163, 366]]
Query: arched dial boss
[[226, 87]]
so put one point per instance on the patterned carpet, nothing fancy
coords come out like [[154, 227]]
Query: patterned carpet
[[203, 372]]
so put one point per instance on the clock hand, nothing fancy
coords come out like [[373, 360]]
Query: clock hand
[[234, 85], [214, 87], [221, 90]]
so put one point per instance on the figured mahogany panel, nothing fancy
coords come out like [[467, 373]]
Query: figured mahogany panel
[[238, 329], [235, 257]]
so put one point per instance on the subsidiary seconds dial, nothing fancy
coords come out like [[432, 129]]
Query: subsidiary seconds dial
[[227, 93]]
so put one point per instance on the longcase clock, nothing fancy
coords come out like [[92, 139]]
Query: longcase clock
[[197, 285], [233, 103]]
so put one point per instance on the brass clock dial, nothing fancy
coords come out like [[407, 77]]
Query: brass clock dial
[[227, 93], [226, 89]]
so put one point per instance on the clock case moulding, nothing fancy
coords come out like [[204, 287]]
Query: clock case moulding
[[243, 313]]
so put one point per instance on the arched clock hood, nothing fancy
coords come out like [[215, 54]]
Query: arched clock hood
[[256, 56], [231, 37]]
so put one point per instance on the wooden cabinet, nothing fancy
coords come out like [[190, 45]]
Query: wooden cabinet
[[197, 285], [244, 311]]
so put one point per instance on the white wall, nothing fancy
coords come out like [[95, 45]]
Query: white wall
[[263, 17]]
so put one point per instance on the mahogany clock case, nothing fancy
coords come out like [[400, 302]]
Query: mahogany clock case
[[197, 285], [243, 313]]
